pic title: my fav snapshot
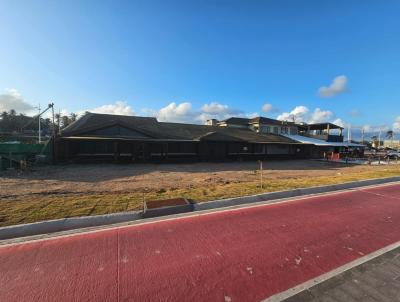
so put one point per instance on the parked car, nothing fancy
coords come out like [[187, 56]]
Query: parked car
[[393, 155]]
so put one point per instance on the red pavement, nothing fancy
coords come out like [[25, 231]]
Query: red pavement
[[238, 255]]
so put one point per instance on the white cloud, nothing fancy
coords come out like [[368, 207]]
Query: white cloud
[[119, 108], [303, 114], [299, 114], [176, 113], [217, 111], [267, 107], [12, 99], [215, 108], [320, 116], [340, 123], [184, 113], [338, 86]]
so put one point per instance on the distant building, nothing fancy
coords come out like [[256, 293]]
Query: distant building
[[391, 143], [212, 122], [323, 131]]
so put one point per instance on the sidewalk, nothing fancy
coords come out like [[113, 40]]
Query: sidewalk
[[377, 280]]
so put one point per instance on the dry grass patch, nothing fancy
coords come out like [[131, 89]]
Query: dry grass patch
[[39, 206]]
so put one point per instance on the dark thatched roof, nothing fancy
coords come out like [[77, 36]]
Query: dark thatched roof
[[269, 121], [150, 129], [237, 121]]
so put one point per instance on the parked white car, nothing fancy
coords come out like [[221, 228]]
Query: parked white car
[[393, 154]]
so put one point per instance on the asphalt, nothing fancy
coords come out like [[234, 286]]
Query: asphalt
[[246, 254]]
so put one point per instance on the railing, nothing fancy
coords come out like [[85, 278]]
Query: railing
[[325, 137], [335, 138]]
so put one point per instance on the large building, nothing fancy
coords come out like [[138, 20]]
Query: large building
[[132, 138]]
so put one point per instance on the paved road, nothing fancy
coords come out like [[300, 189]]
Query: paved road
[[377, 280], [246, 254]]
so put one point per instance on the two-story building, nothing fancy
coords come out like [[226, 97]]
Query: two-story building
[[259, 124], [325, 137]]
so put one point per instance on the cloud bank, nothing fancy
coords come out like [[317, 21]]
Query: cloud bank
[[12, 99]]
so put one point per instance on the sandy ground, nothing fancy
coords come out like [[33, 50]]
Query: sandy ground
[[104, 178]]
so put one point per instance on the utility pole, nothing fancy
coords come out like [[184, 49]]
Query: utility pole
[[52, 114], [349, 134], [362, 136], [40, 134], [379, 138], [54, 134]]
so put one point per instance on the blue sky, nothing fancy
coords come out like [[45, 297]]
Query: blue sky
[[190, 60]]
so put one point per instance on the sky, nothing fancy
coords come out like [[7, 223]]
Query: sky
[[188, 61]]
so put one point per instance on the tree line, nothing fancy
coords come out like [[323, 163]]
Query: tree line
[[11, 121]]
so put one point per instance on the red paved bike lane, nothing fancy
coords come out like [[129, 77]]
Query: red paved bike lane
[[246, 254]]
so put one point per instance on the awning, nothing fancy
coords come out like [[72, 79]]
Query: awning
[[319, 142]]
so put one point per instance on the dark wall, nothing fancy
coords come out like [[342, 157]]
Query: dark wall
[[142, 151]]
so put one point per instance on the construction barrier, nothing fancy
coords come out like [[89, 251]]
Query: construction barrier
[[17, 155]]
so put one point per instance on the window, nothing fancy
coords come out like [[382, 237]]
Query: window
[[265, 129]]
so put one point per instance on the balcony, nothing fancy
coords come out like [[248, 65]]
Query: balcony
[[325, 137]]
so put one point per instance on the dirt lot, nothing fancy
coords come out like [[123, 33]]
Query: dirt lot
[[74, 190], [140, 177]]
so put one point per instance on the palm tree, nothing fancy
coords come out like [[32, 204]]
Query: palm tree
[[65, 121], [73, 117], [57, 118]]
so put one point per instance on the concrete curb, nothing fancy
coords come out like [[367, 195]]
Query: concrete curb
[[58, 225], [291, 193], [171, 210]]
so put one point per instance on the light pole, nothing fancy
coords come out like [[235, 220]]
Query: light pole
[[51, 105]]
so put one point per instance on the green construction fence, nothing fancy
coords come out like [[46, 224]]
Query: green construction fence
[[12, 154]]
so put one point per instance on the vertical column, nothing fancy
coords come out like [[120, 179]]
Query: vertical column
[[116, 155]]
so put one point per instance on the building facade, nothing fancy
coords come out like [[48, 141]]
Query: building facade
[[105, 137]]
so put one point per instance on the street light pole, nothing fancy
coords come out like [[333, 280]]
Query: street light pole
[[51, 105]]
